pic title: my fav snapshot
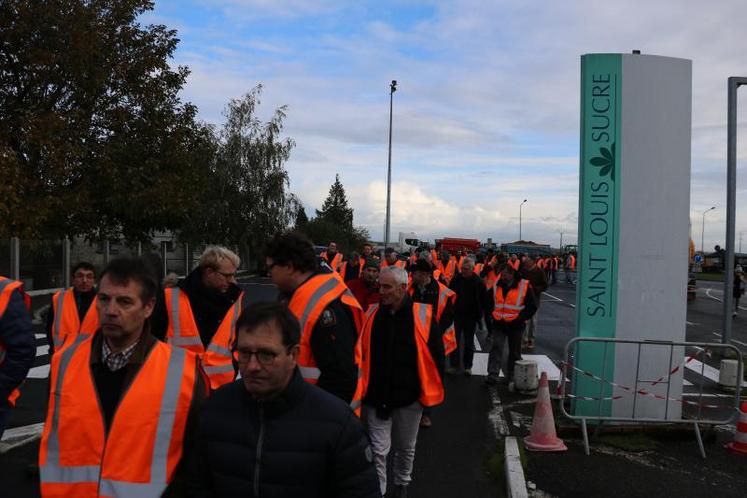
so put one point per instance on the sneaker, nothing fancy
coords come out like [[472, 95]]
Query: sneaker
[[468, 372], [425, 422]]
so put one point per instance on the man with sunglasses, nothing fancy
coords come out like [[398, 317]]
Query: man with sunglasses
[[272, 434], [200, 313]]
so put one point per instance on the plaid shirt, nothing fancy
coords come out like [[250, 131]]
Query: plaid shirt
[[115, 361]]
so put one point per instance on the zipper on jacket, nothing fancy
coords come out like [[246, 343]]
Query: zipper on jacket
[[258, 457]]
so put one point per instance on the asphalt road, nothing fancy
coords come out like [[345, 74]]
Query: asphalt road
[[453, 456]]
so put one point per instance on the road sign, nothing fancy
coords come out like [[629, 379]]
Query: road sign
[[698, 258]]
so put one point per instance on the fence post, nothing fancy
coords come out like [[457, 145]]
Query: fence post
[[15, 258], [66, 262], [187, 259]]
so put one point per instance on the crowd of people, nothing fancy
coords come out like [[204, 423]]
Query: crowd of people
[[184, 389]]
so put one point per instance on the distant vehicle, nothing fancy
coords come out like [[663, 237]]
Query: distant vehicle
[[527, 247], [408, 242], [453, 244]]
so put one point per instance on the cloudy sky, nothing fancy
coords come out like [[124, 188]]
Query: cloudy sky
[[486, 111]]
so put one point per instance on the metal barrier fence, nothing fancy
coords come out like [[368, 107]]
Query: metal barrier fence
[[46, 264], [631, 392]]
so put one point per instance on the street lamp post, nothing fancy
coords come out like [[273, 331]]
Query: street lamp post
[[522, 203], [392, 89], [702, 232]]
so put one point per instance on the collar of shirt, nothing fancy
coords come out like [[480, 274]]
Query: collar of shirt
[[115, 361]]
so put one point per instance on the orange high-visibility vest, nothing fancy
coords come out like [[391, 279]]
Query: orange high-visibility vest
[[434, 256], [447, 272], [307, 304], [573, 262], [478, 268], [217, 359], [335, 263], [514, 264], [67, 324], [7, 286], [343, 269], [399, 264], [444, 296], [490, 279], [137, 457], [431, 387], [507, 308]]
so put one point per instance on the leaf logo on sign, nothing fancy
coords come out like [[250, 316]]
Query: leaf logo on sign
[[606, 161]]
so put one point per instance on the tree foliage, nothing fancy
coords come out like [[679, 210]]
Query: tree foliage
[[334, 222], [246, 200], [94, 139]]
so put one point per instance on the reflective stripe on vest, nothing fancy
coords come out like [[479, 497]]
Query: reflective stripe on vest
[[217, 358], [61, 480], [67, 322], [431, 387], [502, 309]]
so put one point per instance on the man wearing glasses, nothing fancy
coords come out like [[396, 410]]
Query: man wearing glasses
[[272, 434], [73, 310], [200, 313]]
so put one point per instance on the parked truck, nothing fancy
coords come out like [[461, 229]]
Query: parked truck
[[453, 244]]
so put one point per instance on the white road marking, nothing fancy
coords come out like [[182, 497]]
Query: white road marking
[[40, 336], [707, 371], [40, 372], [42, 350], [495, 415], [708, 293], [733, 340], [25, 430], [691, 323], [554, 297], [477, 344]]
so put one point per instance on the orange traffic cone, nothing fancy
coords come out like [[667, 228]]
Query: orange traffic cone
[[543, 436], [739, 445]]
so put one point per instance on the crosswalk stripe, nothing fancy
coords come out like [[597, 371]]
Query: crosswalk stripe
[[40, 372]]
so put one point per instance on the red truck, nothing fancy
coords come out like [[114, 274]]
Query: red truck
[[453, 245]]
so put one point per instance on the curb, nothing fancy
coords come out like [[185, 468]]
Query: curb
[[516, 485]]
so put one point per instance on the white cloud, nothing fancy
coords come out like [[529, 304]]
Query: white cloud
[[486, 110]]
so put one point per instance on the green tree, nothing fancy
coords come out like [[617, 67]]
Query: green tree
[[246, 199], [334, 222], [335, 209], [302, 220], [94, 139]]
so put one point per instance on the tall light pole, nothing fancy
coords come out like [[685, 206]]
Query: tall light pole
[[522, 203], [702, 232], [392, 89]]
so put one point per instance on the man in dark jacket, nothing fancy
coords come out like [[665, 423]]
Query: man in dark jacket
[[272, 435], [211, 289], [17, 351], [402, 374], [538, 278], [331, 329], [509, 304], [470, 291]]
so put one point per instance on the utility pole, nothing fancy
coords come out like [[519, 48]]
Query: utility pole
[[522, 203], [392, 89]]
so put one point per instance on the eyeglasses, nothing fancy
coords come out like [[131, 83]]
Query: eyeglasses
[[263, 357], [229, 276]]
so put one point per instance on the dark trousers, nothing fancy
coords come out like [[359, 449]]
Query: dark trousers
[[465, 336], [513, 336]]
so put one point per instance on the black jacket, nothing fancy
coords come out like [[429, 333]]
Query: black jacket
[[208, 307], [470, 296], [17, 335], [394, 380], [303, 443], [333, 341]]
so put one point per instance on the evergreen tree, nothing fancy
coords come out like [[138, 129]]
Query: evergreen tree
[[335, 209], [301, 219]]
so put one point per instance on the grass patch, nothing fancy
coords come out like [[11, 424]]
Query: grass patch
[[711, 277], [634, 442], [496, 467]]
